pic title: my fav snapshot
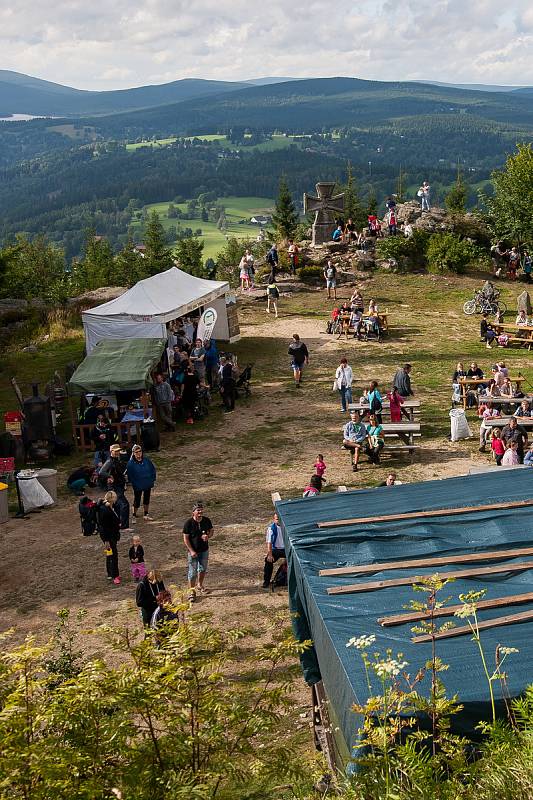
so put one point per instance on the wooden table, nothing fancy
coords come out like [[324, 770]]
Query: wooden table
[[464, 383], [410, 405], [346, 328], [519, 334], [501, 422]]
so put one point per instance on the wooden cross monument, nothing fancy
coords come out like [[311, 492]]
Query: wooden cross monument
[[326, 205]]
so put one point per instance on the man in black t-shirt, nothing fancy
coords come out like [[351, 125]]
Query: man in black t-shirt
[[299, 356], [196, 534]]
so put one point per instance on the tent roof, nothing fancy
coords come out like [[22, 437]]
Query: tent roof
[[166, 295], [331, 620], [117, 365]]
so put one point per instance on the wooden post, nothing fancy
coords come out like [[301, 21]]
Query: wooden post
[[144, 401], [72, 421]]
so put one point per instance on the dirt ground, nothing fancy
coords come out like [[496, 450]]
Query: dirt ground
[[234, 462]]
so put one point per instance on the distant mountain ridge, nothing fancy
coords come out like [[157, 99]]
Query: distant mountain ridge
[[24, 94]]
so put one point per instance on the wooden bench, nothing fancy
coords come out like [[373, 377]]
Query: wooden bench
[[526, 339], [411, 406], [467, 383]]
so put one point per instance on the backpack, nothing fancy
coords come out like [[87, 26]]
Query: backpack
[[88, 516], [375, 403], [280, 578]]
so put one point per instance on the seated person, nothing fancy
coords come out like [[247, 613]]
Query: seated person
[[524, 409], [507, 389], [354, 436], [337, 234], [103, 435], [80, 479], [375, 441], [314, 487], [460, 372], [491, 390], [350, 231], [356, 322], [486, 332], [528, 458], [475, 371], [522, 318]]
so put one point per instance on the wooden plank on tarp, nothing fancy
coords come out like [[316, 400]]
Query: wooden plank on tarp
[[371, 586], [439, 512], [447, 611], [496, 622], [461, 558]]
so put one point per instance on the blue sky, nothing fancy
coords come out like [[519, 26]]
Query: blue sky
[[107, 45]]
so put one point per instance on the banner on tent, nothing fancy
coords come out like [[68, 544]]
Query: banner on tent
[[206, 324]]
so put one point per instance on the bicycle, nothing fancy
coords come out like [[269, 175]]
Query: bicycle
[[482, 305]]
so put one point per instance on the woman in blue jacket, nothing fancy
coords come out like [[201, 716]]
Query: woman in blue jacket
[[141, 474]]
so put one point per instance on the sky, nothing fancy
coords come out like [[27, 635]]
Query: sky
[[111, 45]]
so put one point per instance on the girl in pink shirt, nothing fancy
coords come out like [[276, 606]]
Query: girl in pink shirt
[[320, 466], [497, 446], [396, 401]]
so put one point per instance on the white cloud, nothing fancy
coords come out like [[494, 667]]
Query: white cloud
[[105, 45]]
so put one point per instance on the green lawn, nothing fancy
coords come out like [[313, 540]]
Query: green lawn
[[278, 142], [237, 208]]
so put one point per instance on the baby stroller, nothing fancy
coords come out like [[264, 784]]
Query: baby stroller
[[201, 406], [243, 381]]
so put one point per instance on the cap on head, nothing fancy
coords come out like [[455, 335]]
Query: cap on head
[[115, 448]]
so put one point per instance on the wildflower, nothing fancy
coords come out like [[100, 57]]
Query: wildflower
[[361, 642], [390, 668], [468, 610], [506, 651]]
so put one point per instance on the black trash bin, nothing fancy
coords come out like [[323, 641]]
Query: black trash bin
[[149, 436]]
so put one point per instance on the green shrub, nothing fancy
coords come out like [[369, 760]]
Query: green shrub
[[311, 275], [446, 252], [409, 253]]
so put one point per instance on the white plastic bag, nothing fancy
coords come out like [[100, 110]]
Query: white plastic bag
[[33, 495], [459, 425]]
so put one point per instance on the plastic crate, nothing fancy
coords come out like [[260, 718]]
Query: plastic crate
[[13, 422]]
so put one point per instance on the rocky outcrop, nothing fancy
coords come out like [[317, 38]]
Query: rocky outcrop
[[97, 296]]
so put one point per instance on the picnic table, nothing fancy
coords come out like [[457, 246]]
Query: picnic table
[[466, 383], [411, 406], [346, 328], [518, 334], [501, 422], [406, 432]]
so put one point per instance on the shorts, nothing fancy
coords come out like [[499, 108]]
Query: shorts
[[197, 564], [331, 283], [296, 367]]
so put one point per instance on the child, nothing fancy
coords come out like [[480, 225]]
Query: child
[[136, 556], [320, 466], [510, 457], [497, 446]]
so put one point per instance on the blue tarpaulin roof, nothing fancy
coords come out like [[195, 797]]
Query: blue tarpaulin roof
[[331, 620]]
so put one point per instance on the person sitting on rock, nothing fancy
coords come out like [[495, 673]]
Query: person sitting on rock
[[337, 234]]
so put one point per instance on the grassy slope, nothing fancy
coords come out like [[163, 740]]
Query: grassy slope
[[278, 142], [237, 208]]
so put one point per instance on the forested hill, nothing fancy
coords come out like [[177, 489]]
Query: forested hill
[[23, 94], [308, 105]]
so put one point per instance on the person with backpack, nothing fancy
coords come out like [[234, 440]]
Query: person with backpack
[[330, 276], [375, 400], [273, 259], [112, 476], [275, 549], [146, 595], [299, 356], [272, 295], [142, 474], [109, 530]]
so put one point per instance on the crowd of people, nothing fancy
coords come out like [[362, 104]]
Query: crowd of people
[[351, 318], [510, 261]]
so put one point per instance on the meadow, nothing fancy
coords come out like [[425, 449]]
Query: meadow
[[238, 209]]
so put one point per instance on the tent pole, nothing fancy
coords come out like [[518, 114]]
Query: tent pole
[[72, 421]]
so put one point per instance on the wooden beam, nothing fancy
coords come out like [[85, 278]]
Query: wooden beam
[[440, 512], [447, 611], [342, 489], [496, 622], [275, 497], [370, 586], [465, 558]]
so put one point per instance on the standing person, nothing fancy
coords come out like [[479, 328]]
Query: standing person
[[330, 276], [293, 251], [103, 436], [197, 531], [320, 466], [146, 595], [251, 268], [109, 530], [136, 557], [244, 274], [227, 385], [141, 474], [423, 194], [272, 296], [163, 612], [299, 356], [198, 359], [489, 413], [527, 266], [211, 362], [273, 259], [375, 400], [275, 549], [112, 477], [392, 221], [513, 263], [354, 435], [396, 402], [164, 396], [402, 381], [343, 383], [497, 446], [189, 394]]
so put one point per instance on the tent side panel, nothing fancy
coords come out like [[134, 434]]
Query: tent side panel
[[99, 328]]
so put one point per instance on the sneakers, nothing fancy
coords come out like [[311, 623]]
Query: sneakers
[[354, 468], [191, 596], [202, 590], [265, 586], [117, 581]]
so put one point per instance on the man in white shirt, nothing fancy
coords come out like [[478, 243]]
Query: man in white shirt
[[275, 549], [343, 383]]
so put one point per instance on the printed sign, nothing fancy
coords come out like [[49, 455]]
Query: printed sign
[[206, 324]]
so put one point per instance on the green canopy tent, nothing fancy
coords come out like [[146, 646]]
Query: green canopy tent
[[115, 365]]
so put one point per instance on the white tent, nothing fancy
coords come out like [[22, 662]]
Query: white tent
[[143, 311]]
